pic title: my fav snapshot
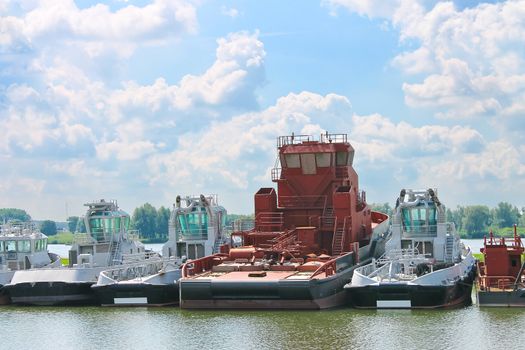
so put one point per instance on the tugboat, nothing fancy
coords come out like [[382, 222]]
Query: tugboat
[[195, 230], [501, 276], [22, 247], [108, 242], [424, 266], [308, 236]]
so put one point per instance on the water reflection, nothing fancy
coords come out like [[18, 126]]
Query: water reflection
[[171, 328]]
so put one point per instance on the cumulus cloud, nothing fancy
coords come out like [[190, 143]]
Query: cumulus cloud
[[97, 28], [369, 8], [466, 62]]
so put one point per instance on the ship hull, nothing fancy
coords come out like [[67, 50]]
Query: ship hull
[[502, 298], [277, 294], [137, 294], [52, 293], [412, 296]]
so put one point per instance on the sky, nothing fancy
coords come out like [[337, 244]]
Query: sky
[[141, 101]]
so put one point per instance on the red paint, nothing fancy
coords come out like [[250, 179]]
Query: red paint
[[502, 262], [317, 208]]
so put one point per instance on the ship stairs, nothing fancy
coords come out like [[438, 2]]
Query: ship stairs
[[449, 249], [327, 220], [114, 253], [216, 246], [287, 242], [339, 237]]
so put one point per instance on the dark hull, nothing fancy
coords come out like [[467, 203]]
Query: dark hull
[[277, 294], [52, 293], [502, 299], [405, 296], [143, 294], [4, 297]]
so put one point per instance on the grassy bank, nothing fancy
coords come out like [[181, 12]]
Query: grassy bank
[[61, 238]]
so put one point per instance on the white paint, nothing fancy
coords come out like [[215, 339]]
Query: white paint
[[391, 304], [140, 300]]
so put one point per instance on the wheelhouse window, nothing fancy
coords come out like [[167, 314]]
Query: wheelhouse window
[[292, 161], [420, 219], [194, 224], [341, 158], [308, 164], [323, 160], [24, 246], [10, 246]]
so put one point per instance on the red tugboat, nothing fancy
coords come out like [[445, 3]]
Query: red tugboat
[[308, 237], [501, 277]]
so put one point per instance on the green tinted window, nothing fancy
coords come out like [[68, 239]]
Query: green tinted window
[[24, 246], [10, 246], [341, 158]]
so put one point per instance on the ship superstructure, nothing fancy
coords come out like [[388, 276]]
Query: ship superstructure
[[308, 235]]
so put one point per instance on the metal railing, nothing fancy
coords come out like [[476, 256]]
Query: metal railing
[[269, 221], [334, 138], [298, 139], [276, 174]]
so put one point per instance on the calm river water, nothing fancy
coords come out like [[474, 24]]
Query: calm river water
[[171, 328]]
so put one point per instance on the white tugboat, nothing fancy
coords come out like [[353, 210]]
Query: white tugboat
[[195, 230], [108, 242], [425, 264], [22, 247]]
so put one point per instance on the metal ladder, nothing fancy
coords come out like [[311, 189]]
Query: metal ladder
[[449, 248], [337, 244], [216, 246], [114, 253]]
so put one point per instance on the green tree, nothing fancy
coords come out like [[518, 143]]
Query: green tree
[[48, 227], [7, 214], [476, 219], [162, 223], [144, 219], [382, 208], [72, 223], [505, 215], [456, 216]]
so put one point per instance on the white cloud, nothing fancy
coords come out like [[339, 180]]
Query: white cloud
[[230, 12], [97, 28], [369, 8], [469, 61]]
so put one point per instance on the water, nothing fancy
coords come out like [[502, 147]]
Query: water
[[171, 328]]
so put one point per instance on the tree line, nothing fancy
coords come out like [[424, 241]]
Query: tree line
[[475, 221]]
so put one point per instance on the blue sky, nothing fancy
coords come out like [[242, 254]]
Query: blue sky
[[142, 100]]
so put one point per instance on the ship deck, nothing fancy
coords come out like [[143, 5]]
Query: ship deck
[[258, 275]]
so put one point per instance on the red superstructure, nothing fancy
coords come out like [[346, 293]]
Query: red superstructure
[[502, 268], [318, 207], [308, 236]]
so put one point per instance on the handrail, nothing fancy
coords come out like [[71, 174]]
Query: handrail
[[330, 267], [200, 265], [334, 234], [271, 220]]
